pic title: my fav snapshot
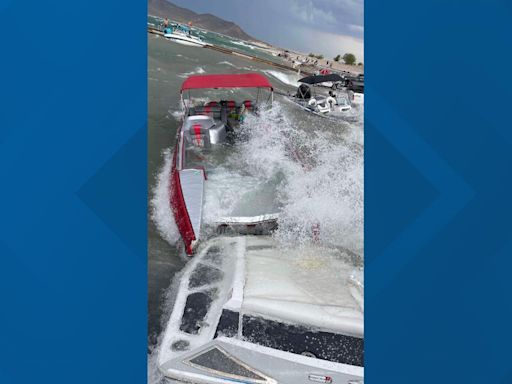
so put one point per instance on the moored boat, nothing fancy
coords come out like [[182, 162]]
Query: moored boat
[[182, 34], [310, 98]]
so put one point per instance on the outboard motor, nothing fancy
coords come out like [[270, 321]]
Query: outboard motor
[[303, 92], [202, 131]]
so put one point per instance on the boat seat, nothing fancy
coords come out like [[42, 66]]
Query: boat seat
[[198, 136], [249, 105], [197, 127], [213, 111], [231, 106], [196, 130]]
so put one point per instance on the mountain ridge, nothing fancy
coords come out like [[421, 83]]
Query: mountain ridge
[[164, 8]]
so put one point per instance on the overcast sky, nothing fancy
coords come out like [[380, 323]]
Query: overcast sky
[[330, 27]]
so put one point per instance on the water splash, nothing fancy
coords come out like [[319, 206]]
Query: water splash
[[168, 298], [225, 62], [323, 176], [161, 212], [285, 78], [316, 177]]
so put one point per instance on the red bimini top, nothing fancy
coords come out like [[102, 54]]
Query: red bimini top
[[243, 80]]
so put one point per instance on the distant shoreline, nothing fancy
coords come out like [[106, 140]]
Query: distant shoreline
[[290, 56]]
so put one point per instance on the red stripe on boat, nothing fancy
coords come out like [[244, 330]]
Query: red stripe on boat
[[179, 207], [197, 133]]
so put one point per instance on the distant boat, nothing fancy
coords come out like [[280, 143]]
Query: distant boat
[[322, 105], [181, 34]]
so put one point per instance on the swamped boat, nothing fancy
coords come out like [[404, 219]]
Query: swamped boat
[[206, 136], [248, 312], [245, 309]]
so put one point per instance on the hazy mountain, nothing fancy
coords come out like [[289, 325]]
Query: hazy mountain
[[164, 8]]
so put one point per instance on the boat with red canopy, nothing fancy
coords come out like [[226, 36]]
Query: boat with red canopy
[[246, 310], [207, 134]]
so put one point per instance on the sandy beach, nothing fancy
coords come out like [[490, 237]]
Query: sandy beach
[[309, 64], [312, 64]]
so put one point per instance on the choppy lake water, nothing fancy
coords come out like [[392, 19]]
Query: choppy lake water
[[323, 181]]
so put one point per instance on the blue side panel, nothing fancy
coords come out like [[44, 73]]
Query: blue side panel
[[73, 205], [437, 192]]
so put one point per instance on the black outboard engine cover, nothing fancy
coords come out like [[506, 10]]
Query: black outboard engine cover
[[303, 92]]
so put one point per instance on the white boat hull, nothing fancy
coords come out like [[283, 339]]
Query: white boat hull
[[357, 98], [247, 283], [306, 107], [184, 40], [273, 366]]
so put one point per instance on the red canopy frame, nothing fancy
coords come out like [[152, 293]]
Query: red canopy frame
[[243, 80]]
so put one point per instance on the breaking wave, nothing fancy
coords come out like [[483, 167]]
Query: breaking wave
[[161, 212], [225, 62], [316, 178], [321, 193], [242, 43], [196, 71], [245, 68], [285, 78]]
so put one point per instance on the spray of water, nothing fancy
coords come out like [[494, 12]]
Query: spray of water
[[317, 177], [161, 212], [285, 78], [196, 71], [322, 191], [168, 298]]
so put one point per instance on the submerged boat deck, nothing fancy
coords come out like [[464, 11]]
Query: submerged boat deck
[[310, 286], [230, 190], [248, 288]]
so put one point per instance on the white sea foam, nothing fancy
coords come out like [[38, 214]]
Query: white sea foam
[[161, 212], [226, 192], [322, 189], [228, 63], [176, 114], [242, 43], [158, 80], [154, 376], [196, 71], [315, 176], [285, 78], [186, 58]]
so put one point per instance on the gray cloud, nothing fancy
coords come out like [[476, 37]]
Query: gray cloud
[[330, 27], [337, 16]]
